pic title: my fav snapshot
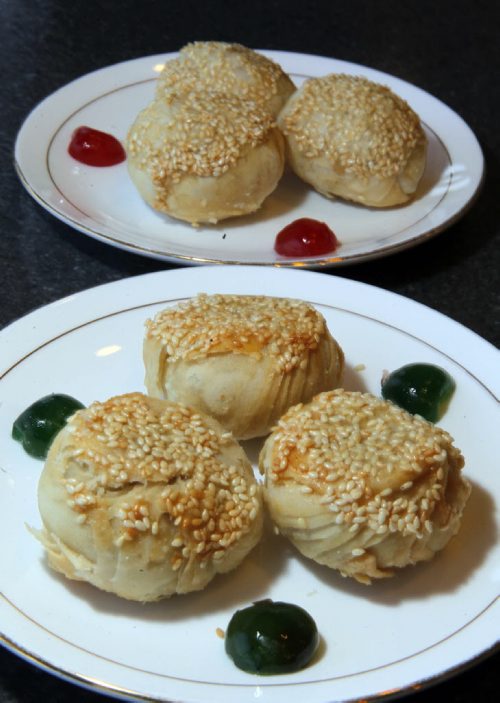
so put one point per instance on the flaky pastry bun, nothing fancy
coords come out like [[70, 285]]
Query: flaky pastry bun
[[226, 68], [241, 359], [203, 157], [362, 486], [146, 498], [355, 139]]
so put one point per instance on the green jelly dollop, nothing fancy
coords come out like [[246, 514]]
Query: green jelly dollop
[[37, 426], [271, 638], [421, 389]]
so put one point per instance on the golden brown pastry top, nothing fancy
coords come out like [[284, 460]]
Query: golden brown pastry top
[[136, 443], [362, 127], [371, 462], [200, 134], [226, 68], [217, 324]]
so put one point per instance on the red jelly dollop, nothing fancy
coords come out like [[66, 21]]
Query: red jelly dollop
[[305, 237], [95, 148]]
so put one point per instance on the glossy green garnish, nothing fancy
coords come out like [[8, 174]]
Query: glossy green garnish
[[271, 638], [37, 426], [421, 389]]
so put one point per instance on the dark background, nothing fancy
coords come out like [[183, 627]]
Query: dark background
[[450, 49]]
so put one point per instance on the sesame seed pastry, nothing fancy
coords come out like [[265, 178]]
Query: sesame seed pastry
[[146, 498], [205, 156], [355, 139], [231, 69], [362, 486], [241, 359]]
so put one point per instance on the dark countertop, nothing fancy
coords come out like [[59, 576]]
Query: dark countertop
[[449, 49]]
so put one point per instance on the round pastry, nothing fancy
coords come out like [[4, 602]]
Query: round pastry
[[146, 498], [203, 157], [362, 486], [355, 139], [241, 359], [230, 69]]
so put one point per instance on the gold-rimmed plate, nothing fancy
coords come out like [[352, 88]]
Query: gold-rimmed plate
[[402, 633], [103, 203]]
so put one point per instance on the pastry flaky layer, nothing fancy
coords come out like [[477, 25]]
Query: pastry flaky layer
[[352, 138], [204, 157], [241, 359], [146, 498], [207, 147], [362, 486]]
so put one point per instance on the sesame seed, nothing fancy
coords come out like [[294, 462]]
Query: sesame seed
[[214, 324], [202, 134], [358, 552], [350, 449], [225, 68], [362, 128], [170, 460]]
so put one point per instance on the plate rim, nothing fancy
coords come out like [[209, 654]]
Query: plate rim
[[16, 327], [373, 293], [102, 234]]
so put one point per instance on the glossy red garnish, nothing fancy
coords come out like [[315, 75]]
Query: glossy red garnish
[[95, 148], [305, 237]]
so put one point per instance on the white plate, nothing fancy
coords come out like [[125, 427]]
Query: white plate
[[391, 636], [103, 203]]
